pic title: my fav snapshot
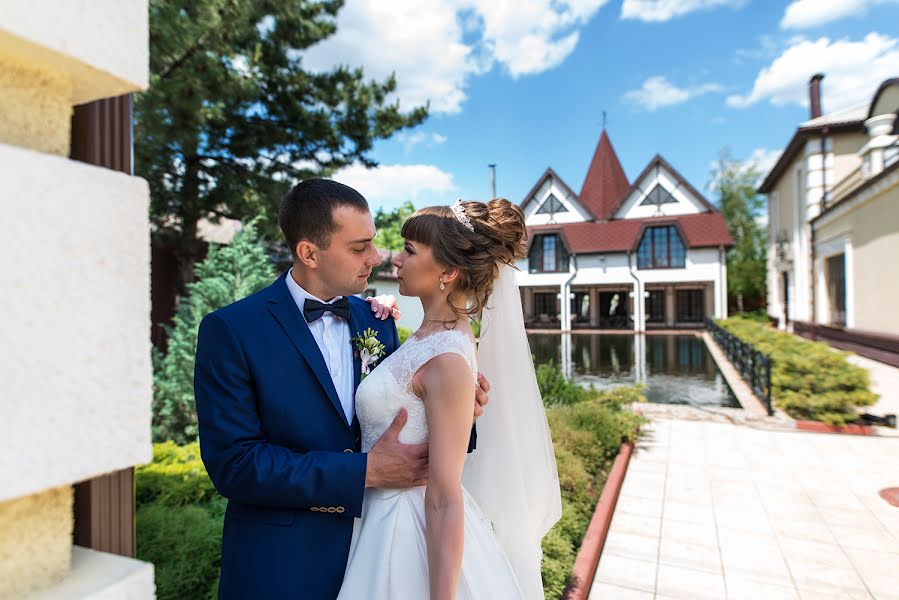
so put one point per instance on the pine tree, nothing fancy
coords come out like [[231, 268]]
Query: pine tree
[[227, 274], [232, 119]]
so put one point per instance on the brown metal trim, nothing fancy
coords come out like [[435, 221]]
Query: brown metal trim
[[876, 346], [104, 513], [101, 134], [104, 506]]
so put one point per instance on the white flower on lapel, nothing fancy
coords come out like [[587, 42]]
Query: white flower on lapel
[[370, 350]]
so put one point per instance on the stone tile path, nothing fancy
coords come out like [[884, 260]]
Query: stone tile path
[[884, 381], [724, 511]]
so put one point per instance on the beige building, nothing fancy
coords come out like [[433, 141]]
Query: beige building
[[833, 220], [75, 372]]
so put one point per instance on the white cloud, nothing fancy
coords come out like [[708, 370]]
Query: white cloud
[[388, 186], [763, 159], [801, 14], [657, 92], [435, 47], [664, 10], [853, 70], [418, 138]]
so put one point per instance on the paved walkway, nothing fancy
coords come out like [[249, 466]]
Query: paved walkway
[[884, 381], [723, 511]]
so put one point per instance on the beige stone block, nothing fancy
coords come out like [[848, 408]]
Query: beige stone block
[[35, 541], [35, 107]]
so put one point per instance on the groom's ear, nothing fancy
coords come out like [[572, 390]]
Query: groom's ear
[[307, 253]]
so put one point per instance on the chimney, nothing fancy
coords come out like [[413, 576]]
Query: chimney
[[814, 95]]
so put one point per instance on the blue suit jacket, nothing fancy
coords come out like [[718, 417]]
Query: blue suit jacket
[[276, 443]]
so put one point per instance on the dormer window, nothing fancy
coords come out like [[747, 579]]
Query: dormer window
[[547, 255], [551, 206], [661, 248]]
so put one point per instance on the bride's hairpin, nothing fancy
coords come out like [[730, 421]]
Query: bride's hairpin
[[459, 211]]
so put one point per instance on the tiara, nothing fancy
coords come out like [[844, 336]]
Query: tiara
[[459, 211]]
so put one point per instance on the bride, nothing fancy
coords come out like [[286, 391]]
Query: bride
[[474, 531]]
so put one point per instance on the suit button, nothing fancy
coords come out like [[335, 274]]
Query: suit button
[[350, 450], [340, 509], [314, 509], [331, 509]]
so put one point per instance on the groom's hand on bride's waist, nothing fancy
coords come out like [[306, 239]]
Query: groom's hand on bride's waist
[[392, 464]]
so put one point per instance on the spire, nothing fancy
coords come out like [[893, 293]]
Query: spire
[[606, 182]]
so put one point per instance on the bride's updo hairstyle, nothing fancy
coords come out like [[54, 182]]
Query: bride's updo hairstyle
[[498, 239]]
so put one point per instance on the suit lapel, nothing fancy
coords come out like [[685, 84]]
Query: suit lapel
[[357, 326], [286, 312]]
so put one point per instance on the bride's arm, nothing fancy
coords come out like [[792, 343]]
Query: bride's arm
[[445, 384]]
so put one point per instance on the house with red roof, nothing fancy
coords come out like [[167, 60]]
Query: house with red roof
[[622, 255]]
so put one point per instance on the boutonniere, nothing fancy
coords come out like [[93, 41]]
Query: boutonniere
[[370, 350]]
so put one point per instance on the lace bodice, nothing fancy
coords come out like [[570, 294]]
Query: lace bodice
[[388, 387]]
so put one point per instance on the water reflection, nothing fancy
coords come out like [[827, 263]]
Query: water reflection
[[677, 369]]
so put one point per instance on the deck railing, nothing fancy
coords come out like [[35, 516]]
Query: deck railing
[[753, 366]]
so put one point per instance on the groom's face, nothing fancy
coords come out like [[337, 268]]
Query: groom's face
[[346, 263]]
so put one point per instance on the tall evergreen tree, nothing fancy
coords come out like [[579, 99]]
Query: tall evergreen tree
[[231, 118], [735, 183], [227, 274]]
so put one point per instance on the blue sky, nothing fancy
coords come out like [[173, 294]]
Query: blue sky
[[523, 83]]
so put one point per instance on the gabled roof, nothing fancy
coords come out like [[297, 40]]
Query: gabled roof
[[658, 161], [549, 173], [605, 183], [698, 230], [851, 119]]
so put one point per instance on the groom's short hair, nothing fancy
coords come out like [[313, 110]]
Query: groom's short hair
[[307, 210]]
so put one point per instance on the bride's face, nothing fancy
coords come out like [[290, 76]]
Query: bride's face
[[417, 272]]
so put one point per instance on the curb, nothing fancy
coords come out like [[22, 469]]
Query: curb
[[820, 427], [595, 537]]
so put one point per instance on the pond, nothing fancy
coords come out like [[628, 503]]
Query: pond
[[676, 368]]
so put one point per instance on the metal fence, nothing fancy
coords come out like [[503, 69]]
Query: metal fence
[[753, 366]]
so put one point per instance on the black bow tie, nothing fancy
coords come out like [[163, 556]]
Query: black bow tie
[[313, 309]]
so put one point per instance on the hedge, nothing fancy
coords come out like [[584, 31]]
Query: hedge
[[809, 380], [180, 515]]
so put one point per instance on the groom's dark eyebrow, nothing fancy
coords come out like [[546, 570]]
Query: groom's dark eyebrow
[[362, 240]]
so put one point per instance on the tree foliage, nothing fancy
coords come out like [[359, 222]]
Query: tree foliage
[[735, 184], [227, 274], [231, 117], [389, 224]]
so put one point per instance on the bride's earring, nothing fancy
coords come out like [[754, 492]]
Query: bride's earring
[[442, 287]]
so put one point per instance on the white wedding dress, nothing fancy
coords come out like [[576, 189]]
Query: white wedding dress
[[388, 556]]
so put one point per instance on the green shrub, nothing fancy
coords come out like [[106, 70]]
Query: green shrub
[[558, 389], [587, 435], [227, 274], [809, 380], [176, 477], [403, 332], [184, 545]]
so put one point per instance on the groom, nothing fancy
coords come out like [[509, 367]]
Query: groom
[[275, 381]]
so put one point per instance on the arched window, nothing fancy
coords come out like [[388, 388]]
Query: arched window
[[661, 248]]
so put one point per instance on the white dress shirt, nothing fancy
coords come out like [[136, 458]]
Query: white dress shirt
[[332, 334]]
